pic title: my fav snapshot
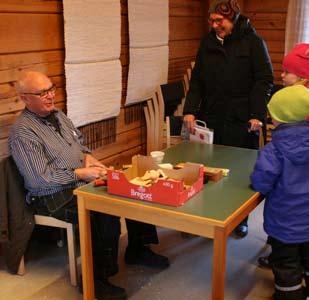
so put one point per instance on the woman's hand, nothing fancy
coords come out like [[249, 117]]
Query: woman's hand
[[189, 121], [255, 125]]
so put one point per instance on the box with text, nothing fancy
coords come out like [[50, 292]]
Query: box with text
[[175, 190]]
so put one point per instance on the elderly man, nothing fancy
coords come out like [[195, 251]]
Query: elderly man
[[49, 154]]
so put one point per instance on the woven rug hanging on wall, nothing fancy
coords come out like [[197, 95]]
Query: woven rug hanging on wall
[[92, 66], [148, 33]]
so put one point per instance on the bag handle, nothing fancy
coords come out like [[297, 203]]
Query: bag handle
[[203, 124]]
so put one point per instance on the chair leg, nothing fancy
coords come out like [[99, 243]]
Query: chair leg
[[21, 268], [72, 254], [60, 242]]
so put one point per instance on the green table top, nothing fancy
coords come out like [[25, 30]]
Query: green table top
[[217, 200]]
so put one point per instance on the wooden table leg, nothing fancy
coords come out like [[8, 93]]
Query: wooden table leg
[[86, 249], [219, 264]]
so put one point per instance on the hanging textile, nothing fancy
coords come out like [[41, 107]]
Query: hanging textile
[[148, 33], [92, 66]]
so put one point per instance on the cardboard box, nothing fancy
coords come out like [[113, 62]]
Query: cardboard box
[[169, 191], [214, 174]]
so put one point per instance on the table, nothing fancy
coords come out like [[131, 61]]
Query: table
[[212, 213]]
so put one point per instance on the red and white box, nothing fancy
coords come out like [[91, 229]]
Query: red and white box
[[180, 186]]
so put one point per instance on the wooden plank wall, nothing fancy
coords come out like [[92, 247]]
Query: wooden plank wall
[[187, 26], [31, 37], [269, 17]]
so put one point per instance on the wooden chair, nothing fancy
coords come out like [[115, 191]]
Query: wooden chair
[[269, 128], [173, 93], [261, 138], [148, 111], [187, 77], [158, 128], [13, 178], [189, 73], [171, 139], [154, 123], [53, 222], [186, 83]]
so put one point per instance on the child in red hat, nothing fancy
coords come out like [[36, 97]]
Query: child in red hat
[[296, 66]]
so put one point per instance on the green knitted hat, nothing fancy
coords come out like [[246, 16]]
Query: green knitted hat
[[290, 104]]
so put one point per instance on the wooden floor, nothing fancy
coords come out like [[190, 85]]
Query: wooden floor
[[188, 278]]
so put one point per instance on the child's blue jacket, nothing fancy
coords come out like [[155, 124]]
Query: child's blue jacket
[[281, 173]]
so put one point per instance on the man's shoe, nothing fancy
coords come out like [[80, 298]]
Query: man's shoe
[[146, 257], [104, 290], [264, 262], [241, 231]]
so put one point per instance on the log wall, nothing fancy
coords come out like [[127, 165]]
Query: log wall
[[31, 37], [269, 17]]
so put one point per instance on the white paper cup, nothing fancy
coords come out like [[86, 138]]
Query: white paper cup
[[157, 156]]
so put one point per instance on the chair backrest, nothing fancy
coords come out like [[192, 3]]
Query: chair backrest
[[154, 116], [269, 124], [167, 97], [168, 100], [173, 95], [173, 130]]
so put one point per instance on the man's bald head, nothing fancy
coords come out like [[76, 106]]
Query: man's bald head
[[37, 92], [30, 81]]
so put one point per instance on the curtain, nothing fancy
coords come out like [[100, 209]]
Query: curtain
[[297, 24]]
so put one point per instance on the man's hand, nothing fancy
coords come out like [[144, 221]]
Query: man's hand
[[189, 121], [90, 161], [255, 125], [90, 173]]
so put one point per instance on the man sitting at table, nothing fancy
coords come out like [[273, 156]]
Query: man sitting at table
[[49, 154]]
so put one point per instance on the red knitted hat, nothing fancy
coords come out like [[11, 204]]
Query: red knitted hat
[[297, 61]]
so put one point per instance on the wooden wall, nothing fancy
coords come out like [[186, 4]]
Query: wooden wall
[[269, 17], [31, 37]]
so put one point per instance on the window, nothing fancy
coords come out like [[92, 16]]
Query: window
[[297, 24]]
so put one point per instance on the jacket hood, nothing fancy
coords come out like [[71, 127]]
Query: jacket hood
[[292, 141], [242, 27]]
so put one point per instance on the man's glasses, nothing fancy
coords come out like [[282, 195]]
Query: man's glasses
[[218, 21], [44, 93]]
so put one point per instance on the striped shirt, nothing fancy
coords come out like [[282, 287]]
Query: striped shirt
[[45, 158]]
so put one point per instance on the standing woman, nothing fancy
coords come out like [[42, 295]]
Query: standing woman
[[231, 81]]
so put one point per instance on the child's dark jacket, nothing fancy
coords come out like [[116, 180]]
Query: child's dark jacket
[[281, 173]]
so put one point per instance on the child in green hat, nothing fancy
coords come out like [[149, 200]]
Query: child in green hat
[[295, 68], [281, 174]]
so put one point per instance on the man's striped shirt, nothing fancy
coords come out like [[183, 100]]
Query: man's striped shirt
[[45, 158]]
